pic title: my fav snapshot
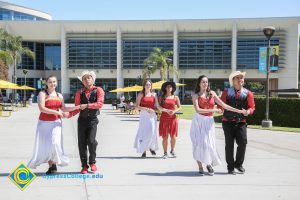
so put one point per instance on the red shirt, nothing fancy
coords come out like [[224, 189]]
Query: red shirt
[[53, 103], [206, 104], [148, 102], [250, 100], [97, 105]]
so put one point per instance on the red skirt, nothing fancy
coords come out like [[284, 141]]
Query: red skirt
[[168, 125]]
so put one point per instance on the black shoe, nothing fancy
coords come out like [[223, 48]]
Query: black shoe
[[232, 172], [51, 170], [143, 155], [241, 169], [152, 152], [54, 168], [201, 172], [173, 154], [210, 170]]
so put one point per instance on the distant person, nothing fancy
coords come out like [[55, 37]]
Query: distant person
[[274, 58]]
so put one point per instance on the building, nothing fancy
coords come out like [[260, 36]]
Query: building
[[115, 50], [14, 12]]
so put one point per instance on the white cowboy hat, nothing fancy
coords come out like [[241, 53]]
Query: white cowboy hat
[[91, 73], [234, 74]]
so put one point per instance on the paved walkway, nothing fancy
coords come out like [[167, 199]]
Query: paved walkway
[[272, 164]]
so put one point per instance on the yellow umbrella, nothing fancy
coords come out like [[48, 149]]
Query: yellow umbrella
[[25, 87], [7, 85], [135, 88], [157, 85], [117, 90], [128, 89]]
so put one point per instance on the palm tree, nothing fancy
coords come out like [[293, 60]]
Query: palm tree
[[5, 61], [12, 51], [158, 60]]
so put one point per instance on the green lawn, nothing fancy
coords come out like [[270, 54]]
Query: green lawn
[[189, 112]]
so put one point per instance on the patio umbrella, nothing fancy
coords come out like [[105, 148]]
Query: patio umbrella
[[7, 85], [157, 85], [25, 87]]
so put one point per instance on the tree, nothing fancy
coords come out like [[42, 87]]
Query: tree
[[11, 52], [158, 60]]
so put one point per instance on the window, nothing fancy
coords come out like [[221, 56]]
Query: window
[[205, 54]]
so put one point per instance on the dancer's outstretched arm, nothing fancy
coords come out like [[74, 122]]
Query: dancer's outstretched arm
[[227, 107]]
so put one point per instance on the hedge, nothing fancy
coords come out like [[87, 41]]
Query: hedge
[[284, 112]]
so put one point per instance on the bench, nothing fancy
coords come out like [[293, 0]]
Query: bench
[[6, 108]]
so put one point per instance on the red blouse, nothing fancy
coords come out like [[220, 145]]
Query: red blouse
[[53, 103], [206, 104], [148, 102], [170, 105]]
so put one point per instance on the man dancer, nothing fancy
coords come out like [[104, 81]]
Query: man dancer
[[91, 99], [234, 124]]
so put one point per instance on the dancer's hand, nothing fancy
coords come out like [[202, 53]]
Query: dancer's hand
[[83, 106], [171, 112], [66, 114], [217, 110], [60, 113], [245, 112]]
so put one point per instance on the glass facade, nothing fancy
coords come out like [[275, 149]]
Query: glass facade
[[248, 51], [47, 56], [18, 16], [27, 62], [205, 54], [106, 84], [136, 51], [32, 82], [52, 56], [92, 54]]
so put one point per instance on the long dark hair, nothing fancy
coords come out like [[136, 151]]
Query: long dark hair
[[144, 84], [197, 88], [51, 76], [164, 95]]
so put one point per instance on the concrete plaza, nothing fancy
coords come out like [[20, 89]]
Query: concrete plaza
[[272, 164]]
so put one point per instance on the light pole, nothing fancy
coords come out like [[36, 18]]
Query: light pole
[[24, 98], [268, 32], [149, 67], [169, 61]]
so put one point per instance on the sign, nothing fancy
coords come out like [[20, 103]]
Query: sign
[[273, 59]]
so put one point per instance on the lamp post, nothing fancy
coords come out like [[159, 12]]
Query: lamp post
[[268, 32], [169, 61], [149, 67], [24, 97]]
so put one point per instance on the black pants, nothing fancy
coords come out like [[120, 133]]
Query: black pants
[[87, 130], [235, 132]]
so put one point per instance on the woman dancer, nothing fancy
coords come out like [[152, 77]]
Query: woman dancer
[[49, 139], [146, 137], [168, 124], [202, 131]]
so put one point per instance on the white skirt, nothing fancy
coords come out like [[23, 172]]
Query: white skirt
[[203, 139], [146, 137], [48, 144]]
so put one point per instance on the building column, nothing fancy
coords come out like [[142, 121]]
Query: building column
[[234, 47], [175, 56], [288, 76], [65, 81], [120, 79]]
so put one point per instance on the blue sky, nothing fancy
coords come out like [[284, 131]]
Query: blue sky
[[162, 9]]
